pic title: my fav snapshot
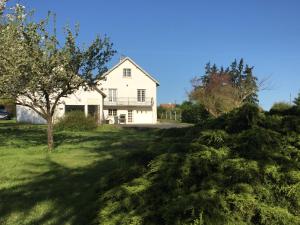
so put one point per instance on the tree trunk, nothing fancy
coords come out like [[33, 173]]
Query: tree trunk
[[50, 133]]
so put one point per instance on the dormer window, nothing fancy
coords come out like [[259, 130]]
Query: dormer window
[[126, 72]]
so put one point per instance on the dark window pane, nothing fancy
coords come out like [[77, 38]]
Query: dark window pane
[[69, 108]]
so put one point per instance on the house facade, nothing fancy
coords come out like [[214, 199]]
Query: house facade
[[127, 94]]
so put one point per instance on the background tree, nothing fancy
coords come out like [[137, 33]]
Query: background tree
[[193, 113], [2, 6], [220, 90], [297, 100], [37, 70]]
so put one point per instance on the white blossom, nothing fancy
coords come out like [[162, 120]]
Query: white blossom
[[2, 4]]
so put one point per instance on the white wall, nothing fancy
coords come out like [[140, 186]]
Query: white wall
[[80, 97], [27, 115], [127, 87], [139, 115]]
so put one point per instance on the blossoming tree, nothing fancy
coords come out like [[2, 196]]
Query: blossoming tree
[[38, 70]]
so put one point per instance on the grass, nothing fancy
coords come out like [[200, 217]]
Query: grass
[[168, 121], [64, 187]]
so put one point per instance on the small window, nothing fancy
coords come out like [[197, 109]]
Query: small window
[[112, 112], [126, 72], [130, 117], [70, 108]]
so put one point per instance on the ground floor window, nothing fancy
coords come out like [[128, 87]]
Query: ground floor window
[[130, 117], [112, 112], [70, 108]]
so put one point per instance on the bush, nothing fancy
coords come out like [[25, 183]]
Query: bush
[[207, 175], [243, 118], [273, 122], [214, 138], [280, 108], [291, 123], [193, 113], [76, 121]]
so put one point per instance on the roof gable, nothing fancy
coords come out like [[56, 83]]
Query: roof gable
[[136, 65]]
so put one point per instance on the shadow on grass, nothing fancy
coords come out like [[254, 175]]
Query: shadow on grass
[[149, 179], [71, 194], [14, 134]]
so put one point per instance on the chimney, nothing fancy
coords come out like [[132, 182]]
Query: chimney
[[122, 57]]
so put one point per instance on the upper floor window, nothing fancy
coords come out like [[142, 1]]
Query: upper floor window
[[126, 72], [112, 94], [141, 95]]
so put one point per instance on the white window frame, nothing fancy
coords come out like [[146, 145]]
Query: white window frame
[[112, 112], [112, 94], [126, 72], [141, 95]]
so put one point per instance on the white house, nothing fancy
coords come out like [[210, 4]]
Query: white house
[[127, 94]]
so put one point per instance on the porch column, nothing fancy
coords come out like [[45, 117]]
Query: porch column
[[86, 110]]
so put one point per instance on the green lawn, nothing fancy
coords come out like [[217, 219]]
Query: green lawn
[[229, 172], [65, 186]]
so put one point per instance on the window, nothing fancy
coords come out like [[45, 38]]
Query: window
[[93, 110], [112, 95], [126, 72], [112, 112], [141, 95], [130, 118], [69, 108]]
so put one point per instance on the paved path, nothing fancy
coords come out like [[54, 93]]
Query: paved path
[[158, 125]]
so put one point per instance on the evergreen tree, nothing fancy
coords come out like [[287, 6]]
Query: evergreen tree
[[297, 100], [222, 90]]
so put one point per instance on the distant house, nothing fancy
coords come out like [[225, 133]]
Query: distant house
[[168, 106], [127, 94]]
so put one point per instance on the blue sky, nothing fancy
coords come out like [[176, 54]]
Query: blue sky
[[173, 40]]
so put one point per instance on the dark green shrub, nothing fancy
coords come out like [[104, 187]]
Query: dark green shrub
[[174, 132], [240, 168], [291, 123], [282, 118], [273, 122], [280, 107], [76, 121], [218, 123], [214, 138], [243, 118], [193, 113], [257, 143], [237, 120], [294, 111]]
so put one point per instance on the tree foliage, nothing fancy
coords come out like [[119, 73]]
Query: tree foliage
[[193, 113], [221, 90], [2, 6], [297, 100], [280, 107], [38, 70]]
